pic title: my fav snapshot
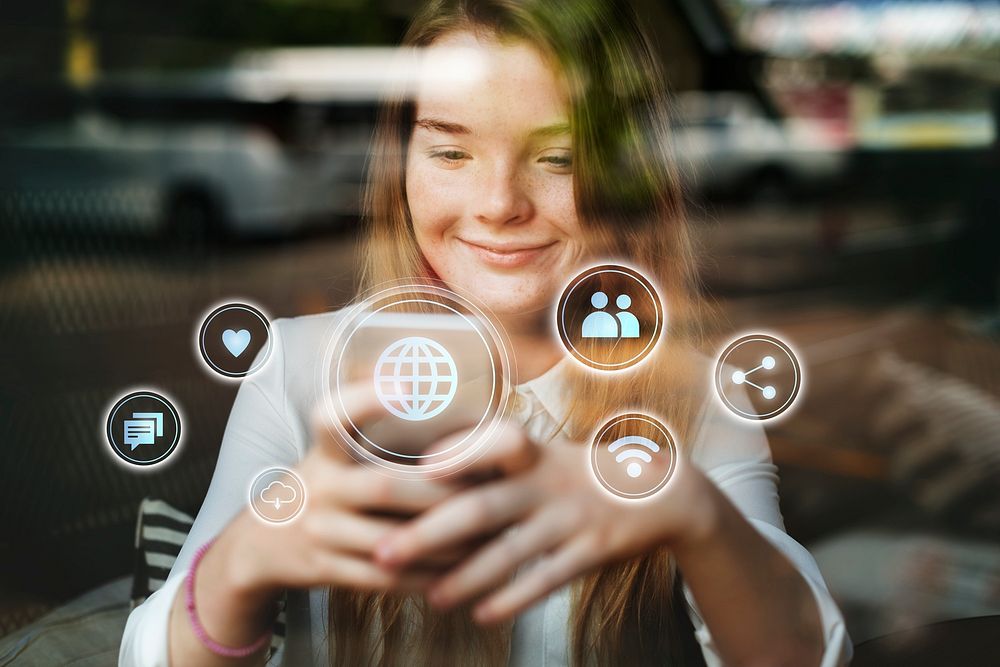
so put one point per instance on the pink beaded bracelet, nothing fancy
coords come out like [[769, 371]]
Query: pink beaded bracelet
[[199, 630]]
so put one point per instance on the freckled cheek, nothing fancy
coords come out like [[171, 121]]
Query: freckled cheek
[[435, 203], [556, 204]]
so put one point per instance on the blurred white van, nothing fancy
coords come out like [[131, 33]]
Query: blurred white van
[[725, 144], [187, 166]]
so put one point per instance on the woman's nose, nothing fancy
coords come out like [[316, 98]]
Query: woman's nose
[[504, 198]]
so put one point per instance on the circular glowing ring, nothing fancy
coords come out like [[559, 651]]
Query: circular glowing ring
[[668, 443], [720, 380], [494, 340], [567, 340]]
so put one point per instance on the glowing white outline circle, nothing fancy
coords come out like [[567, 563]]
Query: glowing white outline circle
[[251, 495], [374, 444], [143, 393], [774, 341], [203, 330], [595, 444], [636, 359], [338, 340]]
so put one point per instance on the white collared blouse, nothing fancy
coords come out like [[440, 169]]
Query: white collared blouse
[[268, 426]]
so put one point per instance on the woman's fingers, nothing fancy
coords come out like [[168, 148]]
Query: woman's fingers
[[498, 560], [360, 488], [344, 531], [572, 559], [512, 452], [447, 559], [359, 404], [483, 510], [360, 534], [348, 571]]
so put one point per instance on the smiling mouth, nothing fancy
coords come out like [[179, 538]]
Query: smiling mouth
[[507, 256]]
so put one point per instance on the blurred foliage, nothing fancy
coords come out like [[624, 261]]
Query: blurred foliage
[[250, 22], [34, 37]]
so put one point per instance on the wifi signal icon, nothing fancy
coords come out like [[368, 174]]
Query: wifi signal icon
[[618, 448], [634, 468]]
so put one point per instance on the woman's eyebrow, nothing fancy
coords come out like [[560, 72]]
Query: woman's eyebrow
[[442, 126], [436, 124], [548, 131]]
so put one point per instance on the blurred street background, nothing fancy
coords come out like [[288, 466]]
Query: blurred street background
[[843, 167]]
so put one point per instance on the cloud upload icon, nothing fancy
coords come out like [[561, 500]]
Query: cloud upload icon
[[277, 493]]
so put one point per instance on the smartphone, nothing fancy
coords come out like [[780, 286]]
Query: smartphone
[[436, 375]]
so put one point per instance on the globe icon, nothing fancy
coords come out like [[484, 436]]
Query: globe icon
[[415, 378]]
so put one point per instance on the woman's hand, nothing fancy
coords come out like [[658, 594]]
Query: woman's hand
[[349, 509], [558, 511]]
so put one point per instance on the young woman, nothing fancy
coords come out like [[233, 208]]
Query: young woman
[[505, 186]]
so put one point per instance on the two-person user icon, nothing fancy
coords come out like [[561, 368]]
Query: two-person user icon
[[601, 324], [600, 335]]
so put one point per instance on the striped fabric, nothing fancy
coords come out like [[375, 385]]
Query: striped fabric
[[160, 532]]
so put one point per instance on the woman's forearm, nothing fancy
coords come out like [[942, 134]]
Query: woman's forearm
[[756, 604], [232, 611]]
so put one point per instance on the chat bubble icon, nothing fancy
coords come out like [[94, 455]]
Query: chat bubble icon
[[139, 432], [144, 428], [155, 416]]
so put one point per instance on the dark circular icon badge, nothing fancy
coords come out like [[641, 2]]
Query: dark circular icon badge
[[232, 336], [610, 317], [143, 428], [761, 367], [633, 456]]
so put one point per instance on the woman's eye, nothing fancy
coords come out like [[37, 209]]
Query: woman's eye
[[450, 156], [561, 162]]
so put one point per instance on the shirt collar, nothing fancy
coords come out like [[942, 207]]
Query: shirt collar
[[549, 389]]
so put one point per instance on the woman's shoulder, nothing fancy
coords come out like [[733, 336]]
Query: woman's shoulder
[[298, 337], [298, 347]]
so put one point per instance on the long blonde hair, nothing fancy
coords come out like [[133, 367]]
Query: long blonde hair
[[631, 208]]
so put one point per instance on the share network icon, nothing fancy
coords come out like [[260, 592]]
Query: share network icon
[[741, 377], [765, 364]]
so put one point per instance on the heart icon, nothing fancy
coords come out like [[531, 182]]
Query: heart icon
[[236, 341]]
